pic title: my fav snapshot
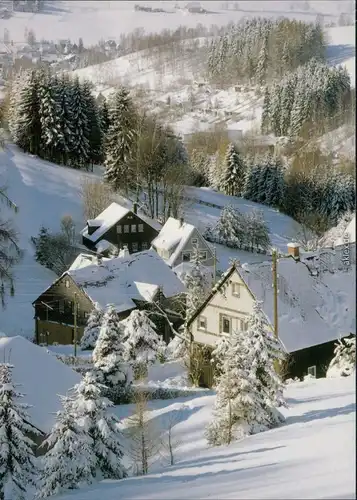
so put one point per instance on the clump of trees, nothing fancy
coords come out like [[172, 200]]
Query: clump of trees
[[305, 98], [56, 118], [258, 50], [237, 230]]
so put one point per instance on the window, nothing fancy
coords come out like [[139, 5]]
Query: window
[[202, 323], [61, 306], [144, 245], [133, 228], [236, 289], [203, 255], [194, 241], [312, 371], [126, 228], [66, 283], [243, 325], [135, 247], [119, 229], [186, 256], [141, 228], [225, 324]]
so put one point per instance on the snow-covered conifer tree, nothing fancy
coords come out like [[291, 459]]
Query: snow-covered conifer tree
[[51, 133], [234, 171], [262, 62], [17, 466], [265, 353], [91, 331], [81, 148], [66, 117], [120, 140], [142, 345], [343, 363], [196, 283], [92, 412], [108, 354], [70, 461], [239, 408], [229, 229], [94, 126]]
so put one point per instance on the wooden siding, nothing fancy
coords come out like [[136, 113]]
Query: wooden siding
[[48, 332], [127, 239]]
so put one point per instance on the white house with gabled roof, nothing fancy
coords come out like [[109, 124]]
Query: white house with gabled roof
[[177, 241]]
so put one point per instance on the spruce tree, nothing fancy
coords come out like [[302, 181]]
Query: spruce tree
[[17, 465], [51, 133], [343, 364], [120, 140], [196, 284], [81, 149], [91, 331], [66, 118], [70, 461], [94, 126], [108, 355], [239, 408], [229, 229], [234, 171], [92, 412], [142, 345], [265, 352]]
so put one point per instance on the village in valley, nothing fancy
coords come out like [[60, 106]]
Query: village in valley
[[177, 250]]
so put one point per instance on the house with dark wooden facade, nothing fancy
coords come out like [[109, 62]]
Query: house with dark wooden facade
[[140, 280], [120, 227], [314, 310]]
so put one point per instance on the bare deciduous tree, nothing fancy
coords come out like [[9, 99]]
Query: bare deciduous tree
[[96, 196], [169, 440], [144, 443]]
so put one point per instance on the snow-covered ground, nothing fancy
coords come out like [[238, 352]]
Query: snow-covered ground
[[45, 192], [108, 19], [311, 456]]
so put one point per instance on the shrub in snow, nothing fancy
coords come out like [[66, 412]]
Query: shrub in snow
[[91, 331], [240, 408], [343, 363], [90, 409], [108, 355], [70, 460], [142, 345], [17, 465]]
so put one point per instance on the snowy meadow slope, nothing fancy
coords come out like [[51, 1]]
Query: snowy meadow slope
[[311, 456]]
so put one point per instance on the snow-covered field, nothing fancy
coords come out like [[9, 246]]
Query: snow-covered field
[[108, 19], [311, 456], [45, 192]]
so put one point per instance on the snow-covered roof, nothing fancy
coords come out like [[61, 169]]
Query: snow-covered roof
[[110, 216], [345, 231], [173, 235], [312, 310], [105, 220], [349, 234], [104, 245], [122, 280], [186, 268], [42, 377], [84, 260]]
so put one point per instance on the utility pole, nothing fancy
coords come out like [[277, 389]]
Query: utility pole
[[75, 324], [275, 292]]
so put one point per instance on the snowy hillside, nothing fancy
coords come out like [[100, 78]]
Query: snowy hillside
[[45, 192], [108, 19], [315, 446]]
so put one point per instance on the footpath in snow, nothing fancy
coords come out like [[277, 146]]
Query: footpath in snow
[[311, 456]]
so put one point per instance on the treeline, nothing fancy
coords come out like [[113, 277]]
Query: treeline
[[258, 50], [322, 190], [305, 98], [57, 118]]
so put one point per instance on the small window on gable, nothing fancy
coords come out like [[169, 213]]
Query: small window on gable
[[133, 228], [119, 229], [236, 289], [141, 228], [66, 283], [186, 256], [126, 228], [194, 241], [202, 323]]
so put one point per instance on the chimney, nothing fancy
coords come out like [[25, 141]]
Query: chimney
[[181, 221], [294, 250], [135, 208]]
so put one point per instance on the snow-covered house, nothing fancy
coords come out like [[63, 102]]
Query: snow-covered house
[[134, 281], [42, 377], [176, 243], [313, 311], [120, 226]]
